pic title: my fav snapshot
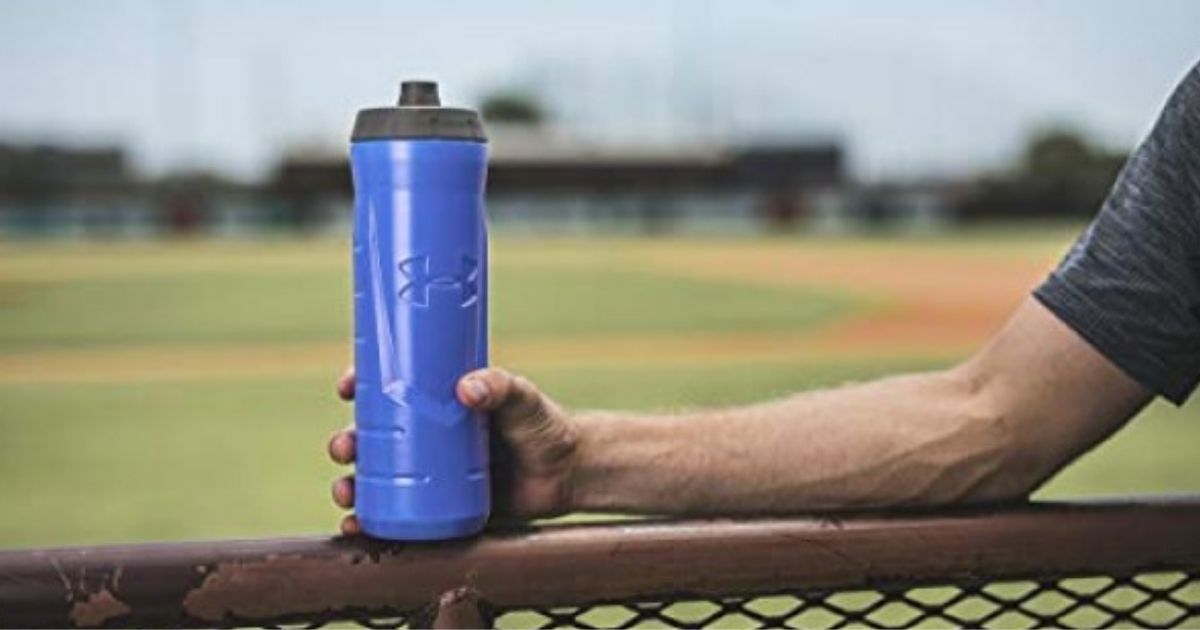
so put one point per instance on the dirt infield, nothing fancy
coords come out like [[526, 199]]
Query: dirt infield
[[933, 301]]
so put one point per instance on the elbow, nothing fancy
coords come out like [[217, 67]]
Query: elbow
[[1000, 438], [1014, 469]]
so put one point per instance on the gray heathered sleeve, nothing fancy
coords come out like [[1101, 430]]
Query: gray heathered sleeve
[[1130, 285]]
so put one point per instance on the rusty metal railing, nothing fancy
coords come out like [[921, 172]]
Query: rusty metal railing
[[1063, 565]]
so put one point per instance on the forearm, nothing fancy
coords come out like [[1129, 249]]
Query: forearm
[[911, 440]]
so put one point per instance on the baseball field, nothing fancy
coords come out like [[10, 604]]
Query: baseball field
[[173, 390]]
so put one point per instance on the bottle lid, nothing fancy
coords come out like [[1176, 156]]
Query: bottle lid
[[418, 114]]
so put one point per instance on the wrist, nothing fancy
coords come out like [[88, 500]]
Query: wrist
[[618, 461], [587, 473]]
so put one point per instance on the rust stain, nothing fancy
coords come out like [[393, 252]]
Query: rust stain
[[264, 588], [98, 608]]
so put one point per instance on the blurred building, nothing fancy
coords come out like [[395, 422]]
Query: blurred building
[[50, 190], [542, 181], [46, 189]]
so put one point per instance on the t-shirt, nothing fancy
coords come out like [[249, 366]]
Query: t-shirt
[[1130, 285]]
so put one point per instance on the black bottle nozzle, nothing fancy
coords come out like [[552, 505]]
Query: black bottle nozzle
[[419, 94]]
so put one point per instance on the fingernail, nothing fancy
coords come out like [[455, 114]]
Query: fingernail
[[476, 390]]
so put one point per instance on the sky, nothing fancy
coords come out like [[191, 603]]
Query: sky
[[912, 89]]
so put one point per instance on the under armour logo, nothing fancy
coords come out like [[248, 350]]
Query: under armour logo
[[416, 271]]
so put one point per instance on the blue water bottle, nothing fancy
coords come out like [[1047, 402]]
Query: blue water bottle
[[420, 317]]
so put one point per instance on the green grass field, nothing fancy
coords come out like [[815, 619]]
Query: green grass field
[[153, 391]]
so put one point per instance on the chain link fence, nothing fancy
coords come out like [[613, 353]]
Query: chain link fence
[[1150, 600], [1160, 600]]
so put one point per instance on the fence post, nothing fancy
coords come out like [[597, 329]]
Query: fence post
[[457, 609]]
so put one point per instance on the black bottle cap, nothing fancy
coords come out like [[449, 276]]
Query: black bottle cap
[[418, 114]]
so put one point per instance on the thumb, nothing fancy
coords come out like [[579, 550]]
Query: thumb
[[515, 402]]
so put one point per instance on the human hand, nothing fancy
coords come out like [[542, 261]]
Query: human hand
[[534, 443]]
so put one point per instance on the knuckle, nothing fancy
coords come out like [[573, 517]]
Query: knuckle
[[499, 378], [525, 386]]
